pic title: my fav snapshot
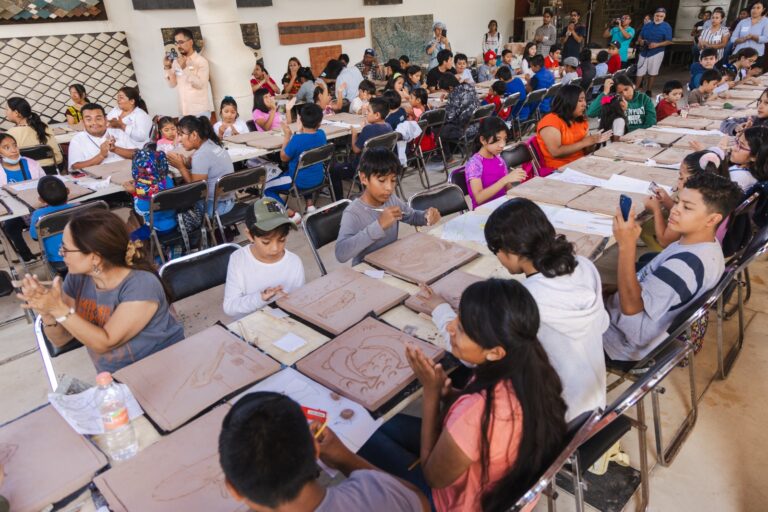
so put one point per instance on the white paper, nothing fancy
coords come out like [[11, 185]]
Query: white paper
[[96, 184], [653, 163], [376, 274], [290, 342], [627, 184], [685, 131], [577, 177], [276, 312], [720, 89], [353, 432], [469, 227], [579, 221], [490, 206], [82, 413]]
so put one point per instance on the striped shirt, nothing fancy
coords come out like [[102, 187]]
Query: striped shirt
[[711, 36], [675, 277]]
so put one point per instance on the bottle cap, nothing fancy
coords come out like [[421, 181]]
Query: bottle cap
[[104, 379]]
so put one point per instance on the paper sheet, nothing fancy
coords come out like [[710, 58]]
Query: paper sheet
[[376, 274], [685, 131], [490, 206], [626, 184], [578, 177], [353, 432], [290, 342], [580, 221], [467, 227], [277, 312], [82, 413]]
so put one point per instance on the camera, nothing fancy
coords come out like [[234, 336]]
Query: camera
[[616, 22], [172, 55]]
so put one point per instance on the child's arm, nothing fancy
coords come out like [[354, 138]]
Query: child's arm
[[236, 300], [428, 217], [626, 234], [287, 135], [353, 240], [339, 101], [664, 235], [356, 150], [483, 195]]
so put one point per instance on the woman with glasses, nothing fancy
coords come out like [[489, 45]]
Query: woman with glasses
[[749, 157], [188, 71], [111, 301]]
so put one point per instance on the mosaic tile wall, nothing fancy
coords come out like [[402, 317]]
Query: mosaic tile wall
[[40, 69], [41, 11]]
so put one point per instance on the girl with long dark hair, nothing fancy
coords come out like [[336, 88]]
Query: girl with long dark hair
[[30, 130], [497, 434], [130, 115]]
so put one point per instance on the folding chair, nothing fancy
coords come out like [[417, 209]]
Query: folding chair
[[53, 224], [317, 156], [459, 178], [448, 199], [413, 160], [465, 142], [48, 351], [230, 184], [178, 199], [598, 82], [509, 102], [322, 227], [576, 82], [578, 432], [531, 101], [386, 140], [435, 120], [38, 153], [198, 272], [517, 155]]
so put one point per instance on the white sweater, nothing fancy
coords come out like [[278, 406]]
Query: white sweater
[[247, 277]]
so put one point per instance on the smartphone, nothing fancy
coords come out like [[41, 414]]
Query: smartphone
[[445, 31], [654, 188], [625, 203]]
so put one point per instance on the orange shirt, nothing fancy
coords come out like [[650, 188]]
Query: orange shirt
[[568, 135]]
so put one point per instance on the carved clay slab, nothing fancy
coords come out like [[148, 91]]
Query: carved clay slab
[[30, 197], [744, 94], [735, 102], [177, 383], [549, 191], [44, 460], [707, 140], [345, 117], [584, 244], [450, 288], [716, 114], [631, 152], [338, 300], [179, 472], [662, 138], [596, 167], [244, 138], [672, 155], [421, 258], [119, 171], [750, 87], [698, 123], [367, 363], [605, 201], [661, 176]]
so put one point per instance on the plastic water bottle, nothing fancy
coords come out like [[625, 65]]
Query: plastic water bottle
[[119, 436]]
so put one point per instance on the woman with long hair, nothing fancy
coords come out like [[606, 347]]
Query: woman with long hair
[[498, 432], [112, 300], [79, 98], [30, 130], [260, 79], [130, 115], [290, 79]]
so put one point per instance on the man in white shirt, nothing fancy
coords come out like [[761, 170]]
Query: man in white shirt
[[97, 144], [351, 77], [189, 72]]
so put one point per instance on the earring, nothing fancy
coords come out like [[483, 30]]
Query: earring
[[96, 269]]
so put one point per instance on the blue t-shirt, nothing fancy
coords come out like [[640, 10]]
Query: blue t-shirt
[[370, 131], [517, 85], [395, 118], [51, 244], [543, 79], [165, 220], [17, 176], [617, 36], [653, 33], [299, 143], [697, 70]]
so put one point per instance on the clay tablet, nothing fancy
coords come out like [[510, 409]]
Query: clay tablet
[[672, 155], [662, 138], [605, 201], [707, 140], [450, 288], [119, 171], [26, 192], [175, 384], [589, 246], [710, 112], [421, 258], [179, 472], [367, 363], [631, 152], [698, 123], [338, 300], [44, 460], [542, 190], [661, 176], [596, 167], [744, 94]]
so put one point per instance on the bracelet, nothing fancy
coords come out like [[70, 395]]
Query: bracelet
[[54, 324], [62, 319]]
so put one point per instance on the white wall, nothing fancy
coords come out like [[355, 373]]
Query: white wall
[[466, 21]]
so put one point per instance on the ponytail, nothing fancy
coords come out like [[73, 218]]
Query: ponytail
[[132, 93], [201, 125], [21, 106]]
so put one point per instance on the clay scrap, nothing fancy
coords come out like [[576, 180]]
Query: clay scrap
[[366, 364]]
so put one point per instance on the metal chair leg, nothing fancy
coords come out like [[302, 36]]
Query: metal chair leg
[[725, 361], [645, 489], [578, 484], [667, 454], [45, 355]]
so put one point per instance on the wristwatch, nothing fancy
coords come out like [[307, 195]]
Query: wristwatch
[[62, 319]]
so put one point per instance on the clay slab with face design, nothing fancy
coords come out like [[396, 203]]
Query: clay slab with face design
[[672, 155], [177, 383], [707, 140], [421, 258], [367, 363], [667, 177], [44, 460], [450, 288], [338, 300], [179, 472]]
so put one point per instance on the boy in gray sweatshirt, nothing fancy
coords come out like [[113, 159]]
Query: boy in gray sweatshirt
[[371, 221]]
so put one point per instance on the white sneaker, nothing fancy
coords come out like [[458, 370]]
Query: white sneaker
[[311, 209]]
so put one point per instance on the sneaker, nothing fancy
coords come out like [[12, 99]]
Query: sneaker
[[311, 209], [296, 218]]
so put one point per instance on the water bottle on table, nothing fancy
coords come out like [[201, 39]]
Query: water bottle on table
[[119, 436]]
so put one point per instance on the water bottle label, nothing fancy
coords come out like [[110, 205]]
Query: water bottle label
[[115, 419]]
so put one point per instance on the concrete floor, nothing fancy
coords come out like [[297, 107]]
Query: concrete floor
[[721, 467]]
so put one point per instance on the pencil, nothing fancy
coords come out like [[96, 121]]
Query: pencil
[[415, 463], [320, 430]]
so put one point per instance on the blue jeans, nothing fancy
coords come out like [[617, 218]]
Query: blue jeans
[[394, 447]]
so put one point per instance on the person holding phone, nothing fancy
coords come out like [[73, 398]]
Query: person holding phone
[[438, 43], [189, 73]]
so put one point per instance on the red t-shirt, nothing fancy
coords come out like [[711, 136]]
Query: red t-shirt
[[614, 63], [550, 63], [666, 108], [497, 100]]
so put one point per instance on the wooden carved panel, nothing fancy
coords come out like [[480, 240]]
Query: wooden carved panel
[[315, 31]]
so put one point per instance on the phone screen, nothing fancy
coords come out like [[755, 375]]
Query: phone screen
[[625, 203]]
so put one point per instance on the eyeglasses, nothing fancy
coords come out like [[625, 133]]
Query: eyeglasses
[[738, 145], [63, 250], [180, 42]]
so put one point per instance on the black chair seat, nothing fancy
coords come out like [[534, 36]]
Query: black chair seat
[[174, 237], [236, 214], [620, 366], [59, 268], [6, 284], [57, 351], [601, 442]]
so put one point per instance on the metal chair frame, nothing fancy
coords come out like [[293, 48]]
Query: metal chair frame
[[386, 140], [202, 191], [480, 113], [442, 191], [534, 97], [190, 259], [322, 155], [41, 152], [341, 204], [235, 182], [435, 119]]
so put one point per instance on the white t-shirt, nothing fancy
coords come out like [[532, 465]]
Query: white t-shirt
[[352, 77], [742, 177], [240, 126], [138, 125], [619, 126], [356, 105], [85, 146], [247, 277], [466, 77]]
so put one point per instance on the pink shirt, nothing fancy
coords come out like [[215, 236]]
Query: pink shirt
[[463, 423], [488, 171], [258, 115]]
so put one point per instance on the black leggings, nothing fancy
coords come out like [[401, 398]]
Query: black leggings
[[14, 229]]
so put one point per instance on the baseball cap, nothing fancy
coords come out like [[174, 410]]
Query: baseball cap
[[614, 44], [370, 51], [660, 9], [267, 214], [571, 61], [489, 55]]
